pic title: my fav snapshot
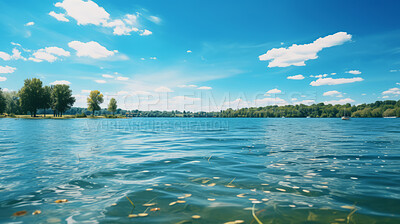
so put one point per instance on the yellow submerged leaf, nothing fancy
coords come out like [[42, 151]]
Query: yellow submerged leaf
[[61, 201], [196, 217], [37, 212]]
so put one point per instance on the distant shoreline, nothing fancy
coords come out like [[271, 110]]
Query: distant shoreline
[[41, 117]]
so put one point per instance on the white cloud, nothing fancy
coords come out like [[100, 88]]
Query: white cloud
[[84, 12], [49, 54], [333, 73], [320, 76], [204, 88], [306, 102], [60, 82], [394, 91], [153, 58], [89, 13], [187, 86], [297, 54], [333, 93], [363, 94], [331, 81], [7, 69], [341, 101], [85, 91], [188, 51], [5, 56], [385, 97], [273, 91], [121, 78], [100, 81], [59, 16], [30, 24], [120, 27], [2, 79], [296, 77], [155, 19], [394, 70], [146, 33], [16, 54], [90, 49], [163, 89], [107, 76], [397, 83], [354, 72]]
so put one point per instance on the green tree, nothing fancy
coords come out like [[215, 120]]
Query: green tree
[[31, 95], [3, 103], [389, 113], [112, 106], [94, 100], [62, 99], [46, 101], [12, 103]]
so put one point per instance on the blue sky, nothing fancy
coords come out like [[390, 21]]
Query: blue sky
[[205, 55]]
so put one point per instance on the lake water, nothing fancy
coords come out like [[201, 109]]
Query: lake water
[[288, 170]]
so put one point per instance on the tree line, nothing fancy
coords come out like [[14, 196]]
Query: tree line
[[33, 97]]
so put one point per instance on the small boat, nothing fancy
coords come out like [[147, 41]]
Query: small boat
[[308, 116], [345, 118], [390, 117]]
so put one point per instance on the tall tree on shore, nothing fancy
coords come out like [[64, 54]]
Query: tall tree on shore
[[12, 103], [94, 100], [112, 106], [31, 95], [46, 99], [62, 98], [2, 102]]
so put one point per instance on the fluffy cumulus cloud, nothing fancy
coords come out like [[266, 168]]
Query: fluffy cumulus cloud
[[354, 72], [297, 55], [7, 70], [16, 55], [90, 49], [146, 33], [204, 88], [341, 101], [49, 54], [296, 77], [2, 79], [60, 82], [163, 89], [100, 81], [90, 13], [273, 91], [333, 93], [331, 81], [392, 91]]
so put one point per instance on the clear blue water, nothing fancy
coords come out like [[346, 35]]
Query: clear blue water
[[306, 170]]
